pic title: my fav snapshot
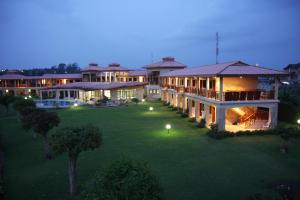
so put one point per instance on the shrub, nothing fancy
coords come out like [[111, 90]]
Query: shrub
[[179, 111], [135, 100], [174, 108], [201, 124], [285, 133], [166, 103], [125, 179], [6, 100], [184, 115], [104, 99], [170, 106], [21, 104], [193, 119]]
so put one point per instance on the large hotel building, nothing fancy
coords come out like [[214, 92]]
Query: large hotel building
[[233, 95]]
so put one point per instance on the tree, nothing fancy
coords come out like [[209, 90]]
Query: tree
[[125, 179], [41, 122], [6, 100], [74, 140], [21, 104]]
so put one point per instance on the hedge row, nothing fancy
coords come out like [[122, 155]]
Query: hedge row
[[285, 133]]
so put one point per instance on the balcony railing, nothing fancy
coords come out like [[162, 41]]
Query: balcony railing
[[248, 95], [226, 96]]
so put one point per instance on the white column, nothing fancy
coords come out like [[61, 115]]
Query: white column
[[57, 94], [183, 103], [190, 105], [221, 88], [220, 117], [276, 88], [207, 86], [273, 111], [197, 111], [206, 115]]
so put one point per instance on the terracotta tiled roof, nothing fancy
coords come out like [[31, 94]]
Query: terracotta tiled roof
[[60, 76], [167, 62], [45, 76], [137, 73], [97, 85], [234, 68], [114, 67], [92, 67], [17, 77]]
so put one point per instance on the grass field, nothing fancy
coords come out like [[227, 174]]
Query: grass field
[[190, 165]]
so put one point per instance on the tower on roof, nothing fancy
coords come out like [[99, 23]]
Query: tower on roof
[[168, 59]]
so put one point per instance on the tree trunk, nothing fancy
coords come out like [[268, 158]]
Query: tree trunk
[[72, 175], [34, 135], [47, 148]]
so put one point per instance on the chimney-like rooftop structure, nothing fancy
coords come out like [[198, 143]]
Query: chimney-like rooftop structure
[[114, 65], [168, 59]]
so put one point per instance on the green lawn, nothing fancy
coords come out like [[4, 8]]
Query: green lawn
[[189, 164]]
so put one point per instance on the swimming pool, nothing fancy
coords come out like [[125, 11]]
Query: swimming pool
[[53, 103]]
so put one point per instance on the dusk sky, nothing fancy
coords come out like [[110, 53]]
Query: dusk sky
[[43, 33]]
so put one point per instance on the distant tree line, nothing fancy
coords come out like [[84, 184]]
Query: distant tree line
[[61, 68]]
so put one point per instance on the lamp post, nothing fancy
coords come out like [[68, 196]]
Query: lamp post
[[168, 127], [151, 108]]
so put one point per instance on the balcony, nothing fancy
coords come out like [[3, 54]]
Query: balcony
[[226, 96], [248, 95]]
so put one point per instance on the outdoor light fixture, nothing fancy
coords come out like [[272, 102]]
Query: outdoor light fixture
[[168, 127], [29, 96], [143, 100], [151, 108], [25, 97], [298, 121], [6, 91], [75, 104]]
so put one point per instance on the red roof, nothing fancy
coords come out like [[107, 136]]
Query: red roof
[[61, 76], [137, 73], [234, 68], [167, 62], [114, 67], [97, 85], [45, 76], [92, 67]]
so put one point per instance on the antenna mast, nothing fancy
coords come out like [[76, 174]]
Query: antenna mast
[[151, 57], [217, 47]]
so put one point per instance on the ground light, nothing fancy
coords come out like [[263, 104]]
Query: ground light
[[298, 121], [168, 127], [75, 104], [29, 96], [143, 100], [25, 97], [151, 108]]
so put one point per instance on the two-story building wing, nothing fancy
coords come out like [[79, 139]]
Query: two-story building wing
[[233, 95]]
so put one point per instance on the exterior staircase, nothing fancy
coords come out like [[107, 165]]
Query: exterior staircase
[[252, 116]]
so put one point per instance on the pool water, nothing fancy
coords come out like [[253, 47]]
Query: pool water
[[56, 103]]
